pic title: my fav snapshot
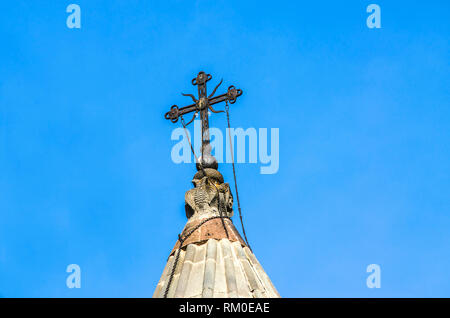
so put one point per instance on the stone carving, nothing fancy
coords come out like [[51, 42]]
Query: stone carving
[[210, 197]]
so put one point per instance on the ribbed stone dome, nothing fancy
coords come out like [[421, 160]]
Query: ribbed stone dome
[[216, 268]]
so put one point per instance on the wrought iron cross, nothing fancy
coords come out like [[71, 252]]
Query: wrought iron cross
[[203, 104]]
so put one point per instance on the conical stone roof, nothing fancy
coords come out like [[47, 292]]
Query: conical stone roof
[[211, 259]]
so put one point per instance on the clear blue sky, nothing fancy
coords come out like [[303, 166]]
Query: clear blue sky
[[364, 115]]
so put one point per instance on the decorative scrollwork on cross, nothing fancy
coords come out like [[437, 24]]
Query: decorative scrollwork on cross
[[202, 105]]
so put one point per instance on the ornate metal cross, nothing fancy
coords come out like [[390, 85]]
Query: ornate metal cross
[[203, 104]]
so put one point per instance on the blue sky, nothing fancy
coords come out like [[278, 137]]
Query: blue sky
[[86, 173]]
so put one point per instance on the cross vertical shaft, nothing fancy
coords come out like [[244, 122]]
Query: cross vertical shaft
[[203, 99]]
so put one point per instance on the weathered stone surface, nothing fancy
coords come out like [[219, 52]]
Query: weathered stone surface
[[241, 280], [186, 267], [262, 274], [195, 286], [210, 269], [220, 282], [230, 273], [213, 229]]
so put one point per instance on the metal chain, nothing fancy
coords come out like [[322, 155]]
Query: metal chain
[[234, 175]]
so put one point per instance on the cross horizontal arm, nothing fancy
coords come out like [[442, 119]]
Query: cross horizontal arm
[[231, 95], [231, 98]]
